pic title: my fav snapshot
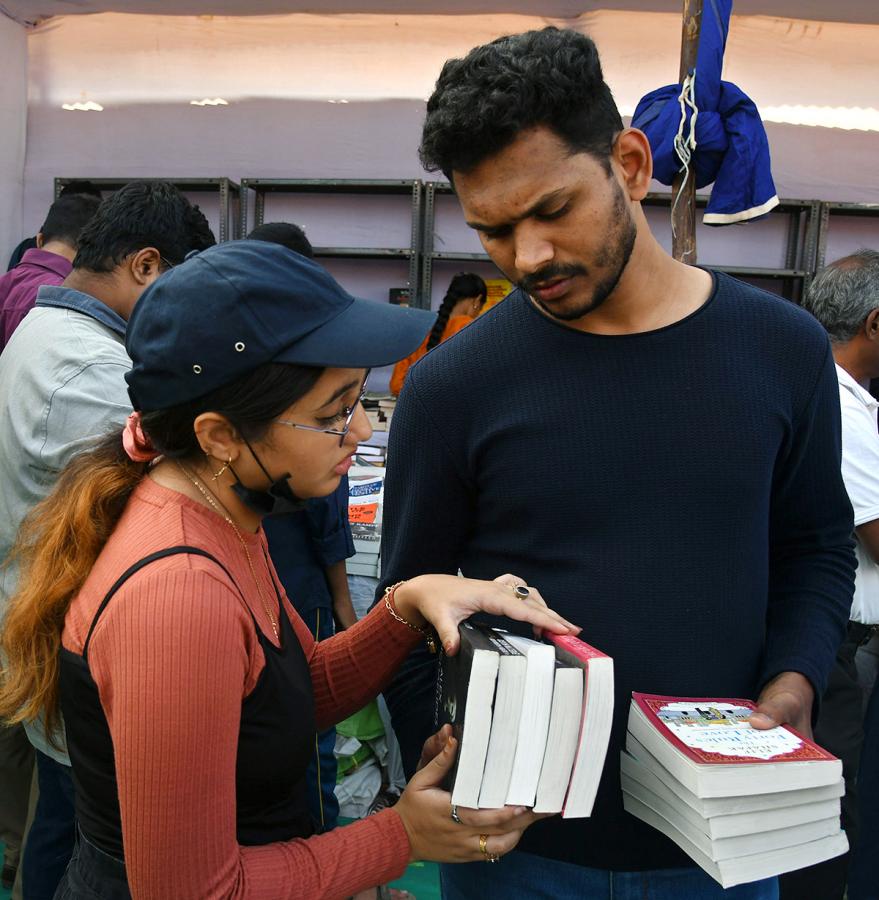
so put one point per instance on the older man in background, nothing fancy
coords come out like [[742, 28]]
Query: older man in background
[[844, 298]]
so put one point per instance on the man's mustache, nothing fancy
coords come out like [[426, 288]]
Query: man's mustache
[[530, 282]]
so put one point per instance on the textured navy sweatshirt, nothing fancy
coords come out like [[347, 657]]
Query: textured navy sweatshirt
[[677, 493]]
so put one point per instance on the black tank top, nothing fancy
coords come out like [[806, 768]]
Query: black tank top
[[275, 738]]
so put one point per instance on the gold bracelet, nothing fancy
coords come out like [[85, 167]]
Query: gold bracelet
[[428, 633]]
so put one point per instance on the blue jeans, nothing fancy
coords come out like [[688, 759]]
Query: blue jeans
[[52, 835], [93, 875], [523, 876]]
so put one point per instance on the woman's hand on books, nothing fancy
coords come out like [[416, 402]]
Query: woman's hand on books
[[425, 809], [447, 600]]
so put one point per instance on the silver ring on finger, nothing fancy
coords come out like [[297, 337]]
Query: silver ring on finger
[[454, 814], [522, 591]]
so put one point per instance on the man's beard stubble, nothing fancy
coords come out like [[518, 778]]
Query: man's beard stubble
[[614, 256]]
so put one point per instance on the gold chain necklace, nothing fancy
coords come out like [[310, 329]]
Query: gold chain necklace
[[216, 504]]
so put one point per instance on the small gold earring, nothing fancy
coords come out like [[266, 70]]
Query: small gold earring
[[226, 465]]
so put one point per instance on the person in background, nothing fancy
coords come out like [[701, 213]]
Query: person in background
[[844, 297], [73, 187], [62, 382], [50, 262], [309, 549], [47, 262], [462, 304], [286, 234], [150, 613], [655, 445]]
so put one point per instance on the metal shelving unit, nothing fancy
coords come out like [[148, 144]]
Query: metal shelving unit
[[800, 250], [229, 192], [829, 209], [428, 254], [261, 187]]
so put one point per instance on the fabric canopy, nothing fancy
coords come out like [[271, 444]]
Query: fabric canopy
[[864, 11]]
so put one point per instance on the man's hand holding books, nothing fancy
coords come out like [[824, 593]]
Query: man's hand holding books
[[786, 700]]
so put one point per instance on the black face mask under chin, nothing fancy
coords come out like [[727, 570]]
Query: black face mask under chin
[[275, 501]]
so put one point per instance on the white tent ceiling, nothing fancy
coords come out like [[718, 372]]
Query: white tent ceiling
[[865, 11]]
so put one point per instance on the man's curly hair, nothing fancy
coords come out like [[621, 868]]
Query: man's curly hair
[[482, 102]]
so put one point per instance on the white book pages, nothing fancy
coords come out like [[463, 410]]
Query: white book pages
[[562, 739], [723, 806], [594, 737], [534, 723], [740, 845], [635, 775], [504, 731], [477, 726], [742, 870]]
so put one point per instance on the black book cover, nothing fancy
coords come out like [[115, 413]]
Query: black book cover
[[453, 680]]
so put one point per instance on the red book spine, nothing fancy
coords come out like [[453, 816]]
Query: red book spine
[[575, 646]]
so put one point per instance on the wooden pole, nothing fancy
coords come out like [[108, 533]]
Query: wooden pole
[[684, 212]]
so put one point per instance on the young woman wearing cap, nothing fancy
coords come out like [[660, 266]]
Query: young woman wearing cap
[[190, 689]]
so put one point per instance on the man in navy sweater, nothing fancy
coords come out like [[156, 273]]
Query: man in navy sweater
[[656, 447]]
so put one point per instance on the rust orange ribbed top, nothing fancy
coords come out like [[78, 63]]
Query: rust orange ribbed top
[[174, 654]]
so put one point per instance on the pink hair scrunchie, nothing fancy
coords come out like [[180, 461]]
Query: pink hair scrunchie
[[137, 445]]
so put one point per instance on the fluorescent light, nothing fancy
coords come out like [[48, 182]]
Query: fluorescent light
[[851, 118], [88, 106], [217, 101]]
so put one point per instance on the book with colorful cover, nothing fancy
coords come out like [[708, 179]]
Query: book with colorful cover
[[708, 744]]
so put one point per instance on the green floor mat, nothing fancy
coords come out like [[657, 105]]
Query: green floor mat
[[421, 879]]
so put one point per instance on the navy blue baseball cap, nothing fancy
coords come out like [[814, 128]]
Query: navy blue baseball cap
[[238, 305]]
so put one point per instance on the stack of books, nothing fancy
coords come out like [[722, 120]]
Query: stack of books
[[533, 720], [743, 804], [373, 452], [386, 407], [379, 409], [366, 485]]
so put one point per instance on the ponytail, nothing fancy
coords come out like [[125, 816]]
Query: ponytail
[[442, 319], [57, 546], [462, 286]]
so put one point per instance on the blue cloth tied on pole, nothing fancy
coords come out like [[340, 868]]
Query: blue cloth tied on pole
[[712, 129]]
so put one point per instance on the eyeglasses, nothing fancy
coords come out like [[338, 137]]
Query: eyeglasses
[[346, 413]]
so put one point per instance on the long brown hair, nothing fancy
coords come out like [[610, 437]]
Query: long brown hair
[[63, 535], [57, 545]]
